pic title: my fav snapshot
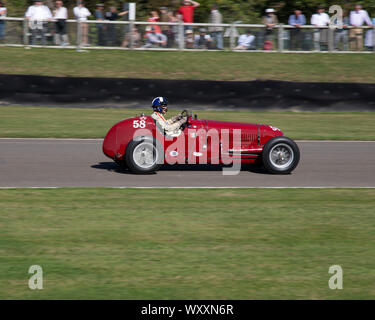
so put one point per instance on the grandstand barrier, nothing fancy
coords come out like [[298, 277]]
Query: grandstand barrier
[[118, 35], [183, 94]]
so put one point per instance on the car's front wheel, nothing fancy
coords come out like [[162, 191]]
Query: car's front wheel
[[280, 155], [143, 156]]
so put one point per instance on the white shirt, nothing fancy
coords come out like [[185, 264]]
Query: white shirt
[[358, 18], [38, 13], [245, 40], [320, 19], [61, 13], [81, 13], [3, 12]]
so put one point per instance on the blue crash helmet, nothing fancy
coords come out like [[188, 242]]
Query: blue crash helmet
[[158, 103]]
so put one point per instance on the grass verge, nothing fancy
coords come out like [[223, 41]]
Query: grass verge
[[42, 122], [224, 244], [190, 65]]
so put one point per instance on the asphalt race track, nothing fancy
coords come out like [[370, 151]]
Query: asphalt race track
[[81, 163]]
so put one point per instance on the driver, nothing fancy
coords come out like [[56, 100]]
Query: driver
[[172, 126]]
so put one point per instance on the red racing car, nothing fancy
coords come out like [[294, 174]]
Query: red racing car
[[141, 146]]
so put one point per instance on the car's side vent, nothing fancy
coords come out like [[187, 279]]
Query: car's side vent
[[248, 137]]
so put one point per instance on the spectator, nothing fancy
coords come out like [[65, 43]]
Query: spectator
[[173, 30], [320, 19], [164, 18], [216, 32], [203, 40], [154, 39], [60, 14], [99, 15], [133, 37], [189, 39], [296, 35], [245, 41], [341, 33], [38, 16], [113, 15], [81, 13], [369, 39], [270, 21], [154, 17], [187, 11], [3, 14], [357, 18]]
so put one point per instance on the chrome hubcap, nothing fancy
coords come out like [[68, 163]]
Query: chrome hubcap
[[281, 156], [145, 155]]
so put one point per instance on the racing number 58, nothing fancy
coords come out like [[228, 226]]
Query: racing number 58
[[139, 124]]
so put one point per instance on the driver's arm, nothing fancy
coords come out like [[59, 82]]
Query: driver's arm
[[173, 125], [179, 117], [169, 125], [174, 119]]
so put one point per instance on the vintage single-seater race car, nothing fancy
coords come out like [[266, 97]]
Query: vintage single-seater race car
[[141, 146]]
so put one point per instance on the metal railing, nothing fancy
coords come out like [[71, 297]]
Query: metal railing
[[135, 35]]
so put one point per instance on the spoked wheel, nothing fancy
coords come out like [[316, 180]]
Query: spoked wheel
[[280, 155], [143, 156]]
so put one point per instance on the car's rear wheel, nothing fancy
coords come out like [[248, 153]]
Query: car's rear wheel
[[280, 155], [143, 156]]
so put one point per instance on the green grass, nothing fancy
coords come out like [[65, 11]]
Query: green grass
[[190, 65], [133, 244], [42, 122]]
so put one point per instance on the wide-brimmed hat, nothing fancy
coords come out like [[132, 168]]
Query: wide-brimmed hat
[[188, 31], [100, 5], [270, 10]]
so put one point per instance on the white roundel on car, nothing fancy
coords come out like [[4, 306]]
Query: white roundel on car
[[274, 128], [173, 153]]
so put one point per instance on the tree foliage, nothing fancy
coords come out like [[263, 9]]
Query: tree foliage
[[247, 11]]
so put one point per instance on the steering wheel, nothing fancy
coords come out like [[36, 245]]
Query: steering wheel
[[185, 113]]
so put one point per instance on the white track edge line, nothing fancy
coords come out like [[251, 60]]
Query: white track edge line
[[75, 187]]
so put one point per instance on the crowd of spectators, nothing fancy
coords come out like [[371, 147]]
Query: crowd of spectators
[[3, 14], [348, 34]]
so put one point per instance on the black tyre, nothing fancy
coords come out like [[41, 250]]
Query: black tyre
[[122, 164], [280, 155], [144, 155]]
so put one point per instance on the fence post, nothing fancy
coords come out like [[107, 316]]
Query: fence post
[[131, 40], [280, 35], [373, 38], [79, 35], [330, 39], [25, 30], [181, 38], [232, 37]]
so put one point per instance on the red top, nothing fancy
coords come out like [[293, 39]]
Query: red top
[[157, 27], [187, 13]]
